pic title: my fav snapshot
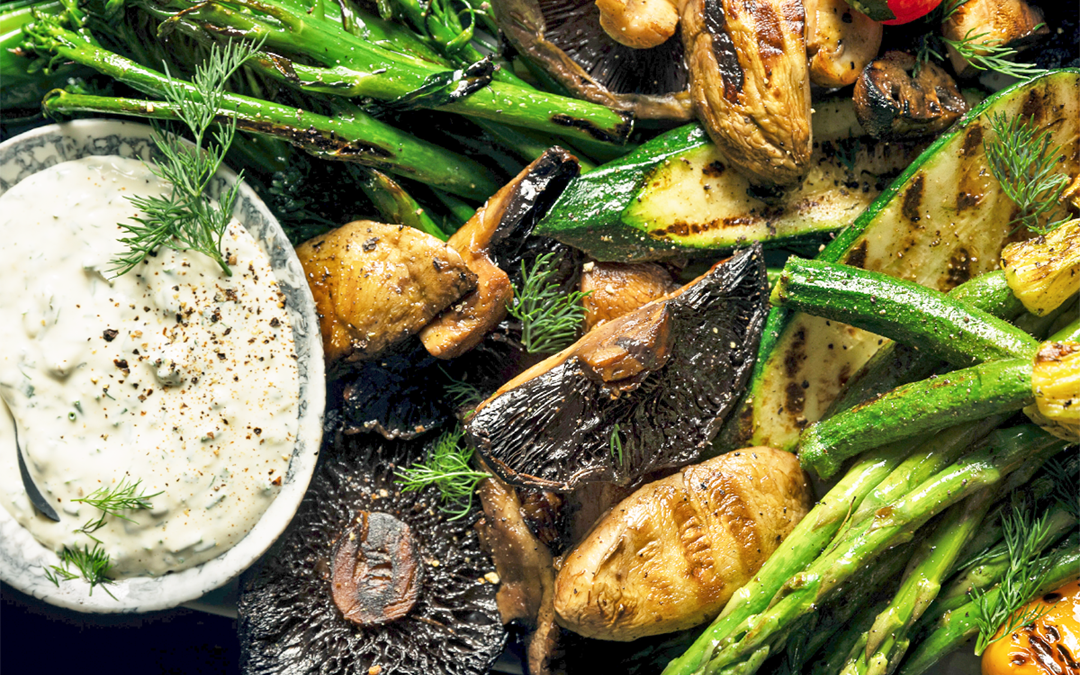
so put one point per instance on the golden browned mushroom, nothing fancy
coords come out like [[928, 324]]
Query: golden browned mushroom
[[840, 41], [1012, 23], [375, 284], [641, 24], [509, 214], [615, 289], [525, 567], [892, 101], [670, 555], [749, 83]]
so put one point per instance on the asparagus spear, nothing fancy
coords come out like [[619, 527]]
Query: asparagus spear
[[361, 139], [745, 647], [958, 626], [888, 639]]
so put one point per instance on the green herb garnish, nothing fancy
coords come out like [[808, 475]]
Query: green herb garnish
[[1025, 536], [1024, 163], [447, 468], [93, 566], [112, 501], [187, 220], [992, 55], [615, 444], [549, 318]]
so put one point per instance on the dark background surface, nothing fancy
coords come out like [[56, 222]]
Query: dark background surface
[[39, 639]]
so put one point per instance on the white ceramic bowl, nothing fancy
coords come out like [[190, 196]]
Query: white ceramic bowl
[[22, 558]]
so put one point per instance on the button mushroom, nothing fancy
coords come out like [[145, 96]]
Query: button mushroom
[[1008, 23], [642, 392], [893, 101], [840, 42], [669, 556], [749, 82], [375, 284], [504, 221]]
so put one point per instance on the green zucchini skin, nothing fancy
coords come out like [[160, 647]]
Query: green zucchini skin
[[675, 195], [942, 222], [920, 407], [900, 310]]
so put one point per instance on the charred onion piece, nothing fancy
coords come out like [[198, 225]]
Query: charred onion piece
[[375, 284], [294, 618], [750, 85], [504, 222], [840, 42], [892, 102], [670, 555], [642, 392], [1007, 23], [566, 40], [618, 288]]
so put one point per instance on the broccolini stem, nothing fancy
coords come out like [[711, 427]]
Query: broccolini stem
[[360, 138]]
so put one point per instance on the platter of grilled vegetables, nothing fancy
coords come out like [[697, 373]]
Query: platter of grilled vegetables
[[700, 337]]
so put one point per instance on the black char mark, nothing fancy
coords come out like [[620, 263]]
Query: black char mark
[[555, 430], [288, 621], [723, 49]]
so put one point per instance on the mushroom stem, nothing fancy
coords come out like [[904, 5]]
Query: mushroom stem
[[376, 573]]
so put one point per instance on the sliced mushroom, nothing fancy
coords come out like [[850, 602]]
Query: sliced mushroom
[[640, 393], [504, 222], [375, 284], [671, 555], [750, 85], [1011, 23], [526, 571], [893, 102], [615, 289], [840, 42], [565, 39]]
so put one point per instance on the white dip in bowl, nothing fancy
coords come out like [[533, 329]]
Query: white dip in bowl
[[175, 382]]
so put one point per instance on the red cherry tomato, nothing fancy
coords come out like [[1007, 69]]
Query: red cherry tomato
[[909, 10]]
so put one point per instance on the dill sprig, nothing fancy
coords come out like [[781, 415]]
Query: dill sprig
[[984, 54], [111, 501], [1024, 163], [93, 565], [464, 394], [1025, 537], [447, 468], [549, 318], [615, 445], [187, 220]]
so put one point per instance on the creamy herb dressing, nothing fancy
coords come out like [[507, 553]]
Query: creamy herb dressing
[[172, 374]]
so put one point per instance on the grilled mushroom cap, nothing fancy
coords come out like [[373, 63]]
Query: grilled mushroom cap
[[893, 102], [564, 39], [1012, 23], [643, 392], [370, 579]]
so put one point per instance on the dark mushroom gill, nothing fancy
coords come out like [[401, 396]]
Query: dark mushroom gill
[[289, 619], [646, 391]]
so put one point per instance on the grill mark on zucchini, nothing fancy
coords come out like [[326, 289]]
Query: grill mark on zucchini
[[927, 251], [972, 140], [912, 206]]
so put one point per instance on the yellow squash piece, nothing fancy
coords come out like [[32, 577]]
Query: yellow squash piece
[[1045, 271]]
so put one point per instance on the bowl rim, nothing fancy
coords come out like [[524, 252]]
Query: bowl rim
[[22, 556]]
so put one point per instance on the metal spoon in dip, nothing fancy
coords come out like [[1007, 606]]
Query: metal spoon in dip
[[36, 498]]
